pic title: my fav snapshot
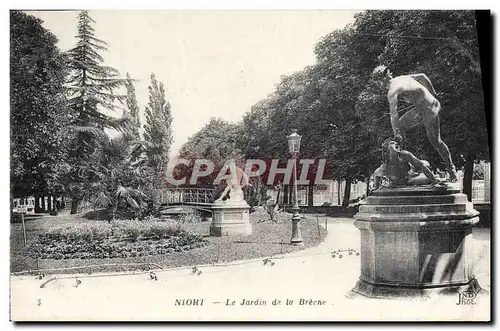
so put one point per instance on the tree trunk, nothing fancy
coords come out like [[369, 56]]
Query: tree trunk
[[63, 203], [339, 190], [49, 203], [115, 209], [74, 206], [258, 195], [11, 204], [285, 194], [469, 170], [310, 195], [37, 204], [367, 187], [347, 193]]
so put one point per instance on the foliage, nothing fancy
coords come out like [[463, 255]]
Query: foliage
[[133, 229], [191, 215], [37, 108], [91, 86], [269, 213], [255, 195], [478, 173], [125, 181], [344, 65], [267, 239], [96, 231], [273, 210], [158, 127], [121, 238], [216, 142], [132, 109], [60, 111], [58, 132]]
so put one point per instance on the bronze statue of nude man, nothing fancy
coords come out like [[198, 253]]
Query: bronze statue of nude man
[[418, 90]]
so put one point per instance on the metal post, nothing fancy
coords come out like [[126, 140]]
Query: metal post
[[24, 228], [296, 235], [319, 230]]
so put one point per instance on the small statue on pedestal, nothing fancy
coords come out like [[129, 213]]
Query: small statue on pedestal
[[233, 191]]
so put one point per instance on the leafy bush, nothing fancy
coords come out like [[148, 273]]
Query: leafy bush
[[273, 211], [190, 216], [268, 213], [152, 218], [161, 230], [255, 195], [146, 229], [78, 232], [130, 229], [187, 239]]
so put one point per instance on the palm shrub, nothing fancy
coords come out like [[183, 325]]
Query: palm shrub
[[124, 178]]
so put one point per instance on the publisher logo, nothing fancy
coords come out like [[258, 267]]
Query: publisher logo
[[467, 298]]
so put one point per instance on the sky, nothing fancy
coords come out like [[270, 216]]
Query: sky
[[212, 63]]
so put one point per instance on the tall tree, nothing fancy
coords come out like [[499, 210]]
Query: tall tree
[[293, 105], [158, 127], [92, 88], [216, 142], [342, 74], [37, 107], [132, 109]]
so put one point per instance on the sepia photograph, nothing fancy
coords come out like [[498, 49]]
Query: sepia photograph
[[181, 165]]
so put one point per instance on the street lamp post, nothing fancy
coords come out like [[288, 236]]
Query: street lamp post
[[294, 148]]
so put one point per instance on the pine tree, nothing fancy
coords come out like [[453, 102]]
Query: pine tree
[[158, 127], [91, 88], [91, 83], [132, 110]]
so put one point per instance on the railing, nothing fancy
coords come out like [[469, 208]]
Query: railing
[[187, 195], [480, 192]]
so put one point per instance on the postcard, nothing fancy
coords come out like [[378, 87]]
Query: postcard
[[250, 165]]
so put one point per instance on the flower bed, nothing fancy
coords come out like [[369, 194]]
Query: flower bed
[[118, 239], [267, 239]]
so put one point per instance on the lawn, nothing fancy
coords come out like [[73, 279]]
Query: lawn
[[267, 239]]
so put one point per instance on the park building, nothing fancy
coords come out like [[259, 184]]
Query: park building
[[323, 195]]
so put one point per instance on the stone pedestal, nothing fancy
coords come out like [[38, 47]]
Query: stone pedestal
[[415, 241], [230, 218]]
